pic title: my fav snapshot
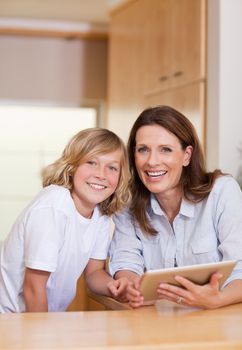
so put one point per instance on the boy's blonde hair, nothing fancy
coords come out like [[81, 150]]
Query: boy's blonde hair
[[85, 145]]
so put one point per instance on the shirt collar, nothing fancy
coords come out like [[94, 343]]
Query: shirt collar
[[187, 208]]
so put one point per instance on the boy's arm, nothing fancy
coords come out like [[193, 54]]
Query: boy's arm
[[34, 290], [100, 282]]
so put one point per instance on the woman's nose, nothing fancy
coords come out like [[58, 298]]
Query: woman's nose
[[153, 159]]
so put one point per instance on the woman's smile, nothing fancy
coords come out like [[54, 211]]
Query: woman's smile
[[155, 174]]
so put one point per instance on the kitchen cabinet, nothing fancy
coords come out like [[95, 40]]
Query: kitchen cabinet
[[157, 55], [174, 43], [125, 69], [189, 100], [157, 46]]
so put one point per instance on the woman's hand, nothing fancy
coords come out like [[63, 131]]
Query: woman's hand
[[207, 296], [133, 293]]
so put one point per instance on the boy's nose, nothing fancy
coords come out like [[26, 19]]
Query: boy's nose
[[100, 173]]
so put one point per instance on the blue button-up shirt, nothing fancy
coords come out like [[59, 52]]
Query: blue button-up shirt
[[204, 232]]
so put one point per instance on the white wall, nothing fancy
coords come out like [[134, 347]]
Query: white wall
[[30, 138], [224, 103], [52, 69], [42, 71]]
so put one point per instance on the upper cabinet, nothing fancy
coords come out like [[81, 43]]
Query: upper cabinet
[[157, 45], [174, 43], [157, 51], [189, 100], [125, 67]]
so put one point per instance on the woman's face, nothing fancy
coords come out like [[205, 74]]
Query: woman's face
[[159, 159]]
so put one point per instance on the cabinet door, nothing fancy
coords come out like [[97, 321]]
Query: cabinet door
[[157, 45], [189, 100], [125, 78], [174, 43], [188, 41]]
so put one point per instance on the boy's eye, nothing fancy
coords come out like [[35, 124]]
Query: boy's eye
[[91, 162], [113, 168]]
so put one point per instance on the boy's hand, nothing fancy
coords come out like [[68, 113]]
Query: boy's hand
[[118, 288]]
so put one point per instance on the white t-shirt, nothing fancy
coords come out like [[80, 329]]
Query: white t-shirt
[[50, 235]]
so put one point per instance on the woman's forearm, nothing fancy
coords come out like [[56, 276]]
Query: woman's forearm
[[231, 294], [130, 275]]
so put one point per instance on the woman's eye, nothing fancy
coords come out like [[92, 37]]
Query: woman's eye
[[166, 149], [142, 150]]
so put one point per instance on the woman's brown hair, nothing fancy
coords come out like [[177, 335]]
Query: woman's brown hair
[[83, 146], [195, 181]]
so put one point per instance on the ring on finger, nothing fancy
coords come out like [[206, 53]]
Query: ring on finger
[[179, 300]]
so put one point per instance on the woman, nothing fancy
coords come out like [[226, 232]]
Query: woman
[[179, 214], [65, 230]]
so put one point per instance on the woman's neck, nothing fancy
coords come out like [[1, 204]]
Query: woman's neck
[[170, 203]]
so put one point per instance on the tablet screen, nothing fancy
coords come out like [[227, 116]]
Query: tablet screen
[[199, 274]]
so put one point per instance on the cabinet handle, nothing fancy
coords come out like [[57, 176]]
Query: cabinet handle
[[178, 73], [163, 78]]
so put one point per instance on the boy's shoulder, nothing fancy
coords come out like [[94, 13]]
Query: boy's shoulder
[[54, 196]]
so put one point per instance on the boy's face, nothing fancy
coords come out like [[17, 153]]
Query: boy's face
[[96, 180]]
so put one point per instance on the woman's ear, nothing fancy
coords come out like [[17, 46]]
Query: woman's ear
[[187, 155]]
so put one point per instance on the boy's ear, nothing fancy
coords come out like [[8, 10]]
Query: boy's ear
[[187, 155]]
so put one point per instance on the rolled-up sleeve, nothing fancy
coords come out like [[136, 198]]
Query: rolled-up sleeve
[[126, 248], [229, 219]]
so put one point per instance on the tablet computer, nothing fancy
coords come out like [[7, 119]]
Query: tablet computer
[[199, 274]]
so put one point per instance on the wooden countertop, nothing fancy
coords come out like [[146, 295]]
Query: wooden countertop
[[162, 326]]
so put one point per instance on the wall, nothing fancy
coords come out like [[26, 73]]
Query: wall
[[224, 107], [30, 138], [52, 69], [42, 71]]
